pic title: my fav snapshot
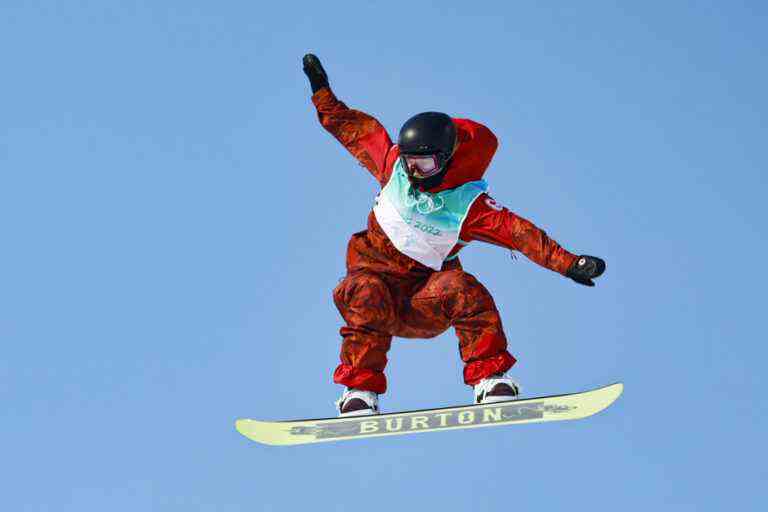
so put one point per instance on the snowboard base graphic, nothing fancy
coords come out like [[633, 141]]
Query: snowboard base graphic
[[532, 410]]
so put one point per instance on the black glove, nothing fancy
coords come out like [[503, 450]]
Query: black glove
[[315, 72], [586, 268]]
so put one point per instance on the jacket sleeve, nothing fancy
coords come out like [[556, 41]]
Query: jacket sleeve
[[360, 133], [489, 222]]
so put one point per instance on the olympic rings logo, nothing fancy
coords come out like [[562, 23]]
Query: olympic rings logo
[[425, 203]]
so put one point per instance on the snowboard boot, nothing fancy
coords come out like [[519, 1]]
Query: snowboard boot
[[357, 402], [496, 388]]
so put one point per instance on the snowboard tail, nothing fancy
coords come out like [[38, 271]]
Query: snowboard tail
[[532, 410]]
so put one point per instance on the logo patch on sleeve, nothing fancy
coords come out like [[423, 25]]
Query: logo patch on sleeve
[[493, 204]]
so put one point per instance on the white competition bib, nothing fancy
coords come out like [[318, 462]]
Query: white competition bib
[[421, 225]]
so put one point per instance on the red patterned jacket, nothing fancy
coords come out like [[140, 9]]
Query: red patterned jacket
[[486, 221]]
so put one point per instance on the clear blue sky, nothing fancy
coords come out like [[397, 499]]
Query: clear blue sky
[[173, 219]]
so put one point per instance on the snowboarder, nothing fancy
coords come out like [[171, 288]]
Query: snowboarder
[[404, 277]]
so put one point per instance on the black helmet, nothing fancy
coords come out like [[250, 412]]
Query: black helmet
[[429, 133]]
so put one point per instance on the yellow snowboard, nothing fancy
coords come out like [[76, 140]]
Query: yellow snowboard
[[531, 410]]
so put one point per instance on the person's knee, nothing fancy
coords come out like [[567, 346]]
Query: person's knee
[[360, 289], [461, 294]]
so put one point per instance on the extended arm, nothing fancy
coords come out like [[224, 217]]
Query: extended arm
[[360, 133], [487, 221]]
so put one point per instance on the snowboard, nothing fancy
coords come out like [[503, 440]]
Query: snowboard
[[532, 410]]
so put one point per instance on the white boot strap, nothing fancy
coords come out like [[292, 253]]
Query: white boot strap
[[487, 384], [370, 398]]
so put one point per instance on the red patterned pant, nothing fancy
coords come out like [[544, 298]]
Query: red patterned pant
[[377, 306]]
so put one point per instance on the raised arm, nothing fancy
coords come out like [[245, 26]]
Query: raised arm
[[363, 136], [488, 221]]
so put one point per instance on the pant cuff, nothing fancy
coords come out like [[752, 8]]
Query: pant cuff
[[360, 378], [478, 370]]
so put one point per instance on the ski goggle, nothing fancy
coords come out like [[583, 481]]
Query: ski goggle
[[422, 166]]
